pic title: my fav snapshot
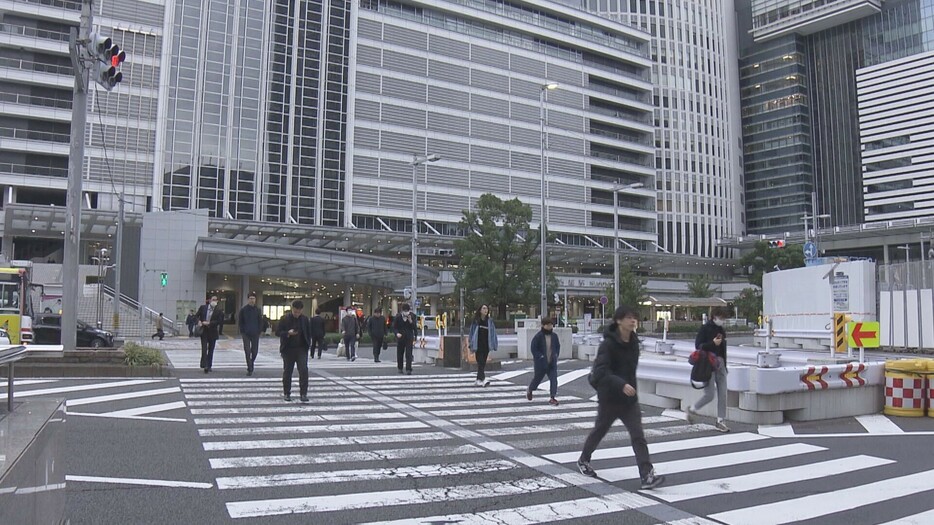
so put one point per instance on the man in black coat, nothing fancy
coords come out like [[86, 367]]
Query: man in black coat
[[249, 322], [317, 333], [294, 333], [614, 377], [209, 318], [405, 326], [376, 327]]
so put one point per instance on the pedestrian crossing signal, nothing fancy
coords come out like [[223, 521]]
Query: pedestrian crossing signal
[[165, 279]]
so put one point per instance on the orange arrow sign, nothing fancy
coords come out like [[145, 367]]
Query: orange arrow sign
[[859, 335]]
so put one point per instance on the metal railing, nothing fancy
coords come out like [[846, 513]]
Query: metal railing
[[34, 32], [28, 134], [38, 67], [643, 119], [624, 137], [149, 315], [65, 4], [638, 97], [31, 100], [9, 356], [25, 169]]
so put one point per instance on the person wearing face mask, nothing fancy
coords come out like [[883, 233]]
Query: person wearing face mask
[[545, 348], [209, 318], [712, 338], [404, 326]]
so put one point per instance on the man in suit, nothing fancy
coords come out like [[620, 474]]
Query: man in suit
[[209, 318], [405, 337], [249, 322], [317, 333], [294, 333]]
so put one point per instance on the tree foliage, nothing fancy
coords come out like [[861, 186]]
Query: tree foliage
[[499, 258], [749, 304], [763, 259], [699, 286], [632, 290]]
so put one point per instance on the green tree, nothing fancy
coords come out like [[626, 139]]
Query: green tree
[[632, 290], [499, 259], [699, 286], [749, 303], [763, 259]]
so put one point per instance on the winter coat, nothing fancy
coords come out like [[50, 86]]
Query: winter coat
[[706, 334], [475, 329], [615, 367]]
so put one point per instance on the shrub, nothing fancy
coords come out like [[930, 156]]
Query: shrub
[[137, 355]]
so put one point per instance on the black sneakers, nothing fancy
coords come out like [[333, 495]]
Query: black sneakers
[[586, 469], [651, 480], [288, 397], [304, 399]]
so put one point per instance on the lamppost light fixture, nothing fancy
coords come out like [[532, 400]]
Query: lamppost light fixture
[[551, 86]]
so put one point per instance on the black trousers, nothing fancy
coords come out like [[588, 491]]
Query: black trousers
[[290, 358], [317, 344], [631, 416], [207, 352], [377, 346], [250, 349], [350, 346], [404, 349], [482, 356]]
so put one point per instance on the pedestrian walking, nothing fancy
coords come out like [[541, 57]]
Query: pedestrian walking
[[614, 377], [160, 328], [482, 341], [350, 332], [190, 322], [210, 317], [294, 333], [545, 348], [712, 338], [404, 325], [376, 327], [317, 333], [249, 323]]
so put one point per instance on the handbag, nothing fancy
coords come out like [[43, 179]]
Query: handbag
[[385, 344], [340, 350], [198, 330]]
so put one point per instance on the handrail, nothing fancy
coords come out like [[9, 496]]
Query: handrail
[[30, 100], [149, 312], [8, 356]]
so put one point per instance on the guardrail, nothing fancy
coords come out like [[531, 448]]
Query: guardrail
[[8, 357]]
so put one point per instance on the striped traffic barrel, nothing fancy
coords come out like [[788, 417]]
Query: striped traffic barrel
[[905, 387]]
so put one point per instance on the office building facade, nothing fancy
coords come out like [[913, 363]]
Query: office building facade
[[36, 105]]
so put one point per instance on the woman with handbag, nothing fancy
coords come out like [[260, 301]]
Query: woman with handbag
[[712, 338], [482, 341]]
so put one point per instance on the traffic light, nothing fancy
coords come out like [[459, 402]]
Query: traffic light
[[165, 279], [109, 57], [777, 243]]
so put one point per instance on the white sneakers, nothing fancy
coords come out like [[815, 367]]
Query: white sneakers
[[481, 382]]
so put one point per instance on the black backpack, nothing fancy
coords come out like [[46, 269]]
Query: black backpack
[[703, 368]]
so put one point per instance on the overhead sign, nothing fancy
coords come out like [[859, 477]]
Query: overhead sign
[[863, 334], [841, 293]]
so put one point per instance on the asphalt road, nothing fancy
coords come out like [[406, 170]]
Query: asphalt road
[[375, 446]]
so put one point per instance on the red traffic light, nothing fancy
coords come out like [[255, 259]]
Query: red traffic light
[[118, 57], [779, 243]]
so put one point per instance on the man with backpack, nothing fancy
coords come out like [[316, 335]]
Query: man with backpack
[[614, 378]]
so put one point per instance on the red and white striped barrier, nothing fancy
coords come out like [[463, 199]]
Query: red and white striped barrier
[[905, 396]]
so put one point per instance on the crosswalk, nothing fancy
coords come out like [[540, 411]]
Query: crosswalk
[[435, 449]]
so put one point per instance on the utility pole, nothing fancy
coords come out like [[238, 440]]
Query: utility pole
[[118, 264], [79, 119]]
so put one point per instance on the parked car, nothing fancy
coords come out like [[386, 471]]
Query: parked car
[[47, 330]]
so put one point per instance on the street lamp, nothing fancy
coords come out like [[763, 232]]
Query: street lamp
[[806, 218], [545, 88], [616, 189], [416, 162], [101, 259], [906, 282]]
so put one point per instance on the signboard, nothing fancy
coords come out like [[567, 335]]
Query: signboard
[[863, 334], [841, 293], [810, 250], [604, 300], [588, 322]]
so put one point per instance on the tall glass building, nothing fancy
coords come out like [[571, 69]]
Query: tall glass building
[[697, 119]]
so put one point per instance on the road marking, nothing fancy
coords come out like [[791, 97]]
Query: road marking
[[574, 441], [771, 478], [923, 518], [214, 380], [828, 503], [118, 397], [564, 379], [534, 514], [303, 418], [259, 508], [553, 416], [241, 399], [562, 427], [24, 382], [342, 476], [509, 375], [710, 462], [511, 400], [149, 409], [341, 457], [508, 410], [324, 441], [777, 431], [288, 407], [419, 380], [137, 418], [134, 481], [478, 393], [660, 448], [878, 424], [311, 429], [81, 388]]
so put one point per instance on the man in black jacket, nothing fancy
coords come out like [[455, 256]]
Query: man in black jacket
[[545, 348], [317, 333], [614, 377], [249, 322], [294, 333], [404, 326], [376, 327], [210, 317]]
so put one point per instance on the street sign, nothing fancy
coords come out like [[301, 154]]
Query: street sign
[[604, 300], [863, 334], [841, 293], [418, 302], [810, 250]]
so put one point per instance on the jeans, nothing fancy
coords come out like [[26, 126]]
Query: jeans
[[481, 356], [543, 367], [350, 346], [290, 358], [377, 346], [631, 416], [718, 379], [404, 349], [207, 352], [250, 349]]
